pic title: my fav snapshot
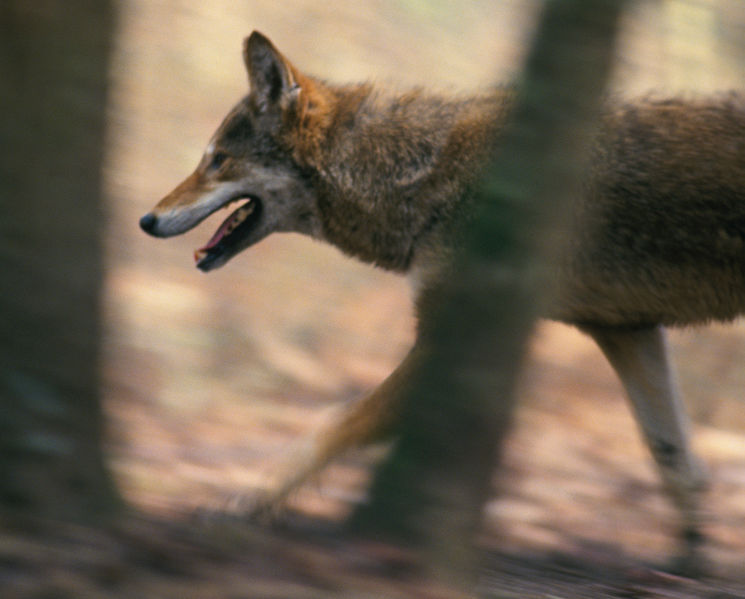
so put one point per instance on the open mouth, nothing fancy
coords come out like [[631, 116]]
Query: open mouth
[[231, 231]]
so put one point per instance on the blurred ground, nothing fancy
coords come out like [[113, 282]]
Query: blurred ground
[[210, 379]]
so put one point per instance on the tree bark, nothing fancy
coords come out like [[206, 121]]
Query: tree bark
[[431, 489], [54, 59]]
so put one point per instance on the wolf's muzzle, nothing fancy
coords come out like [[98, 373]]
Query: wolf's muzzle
[[148, 222]]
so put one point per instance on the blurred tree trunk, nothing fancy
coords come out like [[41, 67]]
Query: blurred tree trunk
[[431, 489], [53, 78]]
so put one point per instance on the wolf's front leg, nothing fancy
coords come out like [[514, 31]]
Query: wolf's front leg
[[368, 420], [639, 356]]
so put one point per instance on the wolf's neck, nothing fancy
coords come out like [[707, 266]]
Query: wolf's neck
[[396, 168]]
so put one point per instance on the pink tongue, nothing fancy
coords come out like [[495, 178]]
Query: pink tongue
[[217, 237]]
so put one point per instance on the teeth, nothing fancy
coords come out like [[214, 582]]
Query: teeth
[[235, 221], [240, 215]]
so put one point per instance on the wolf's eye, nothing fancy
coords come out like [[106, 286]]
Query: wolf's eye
[[218, 159]]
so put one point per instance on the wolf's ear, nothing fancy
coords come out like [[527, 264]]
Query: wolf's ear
[[270, 75]]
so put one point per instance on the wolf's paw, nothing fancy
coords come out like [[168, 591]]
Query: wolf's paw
[[213, 516], [691, 562], [689, 566], [262, 508]]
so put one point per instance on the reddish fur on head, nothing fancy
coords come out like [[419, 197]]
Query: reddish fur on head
[[306, 104]]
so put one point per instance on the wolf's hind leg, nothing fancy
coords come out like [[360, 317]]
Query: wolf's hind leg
[[640, 358], [368, 420]]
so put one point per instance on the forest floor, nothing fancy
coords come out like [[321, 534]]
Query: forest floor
[[171, 559]]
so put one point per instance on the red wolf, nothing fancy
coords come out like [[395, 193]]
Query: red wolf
[[383, 176]]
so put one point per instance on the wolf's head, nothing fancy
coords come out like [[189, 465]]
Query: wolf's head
[[251, 163]]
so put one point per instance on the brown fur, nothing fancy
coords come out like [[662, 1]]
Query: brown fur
[[384, 176], [661, 228], [664, 203]]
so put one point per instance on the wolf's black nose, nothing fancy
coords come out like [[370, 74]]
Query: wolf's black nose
[[147, 222]]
